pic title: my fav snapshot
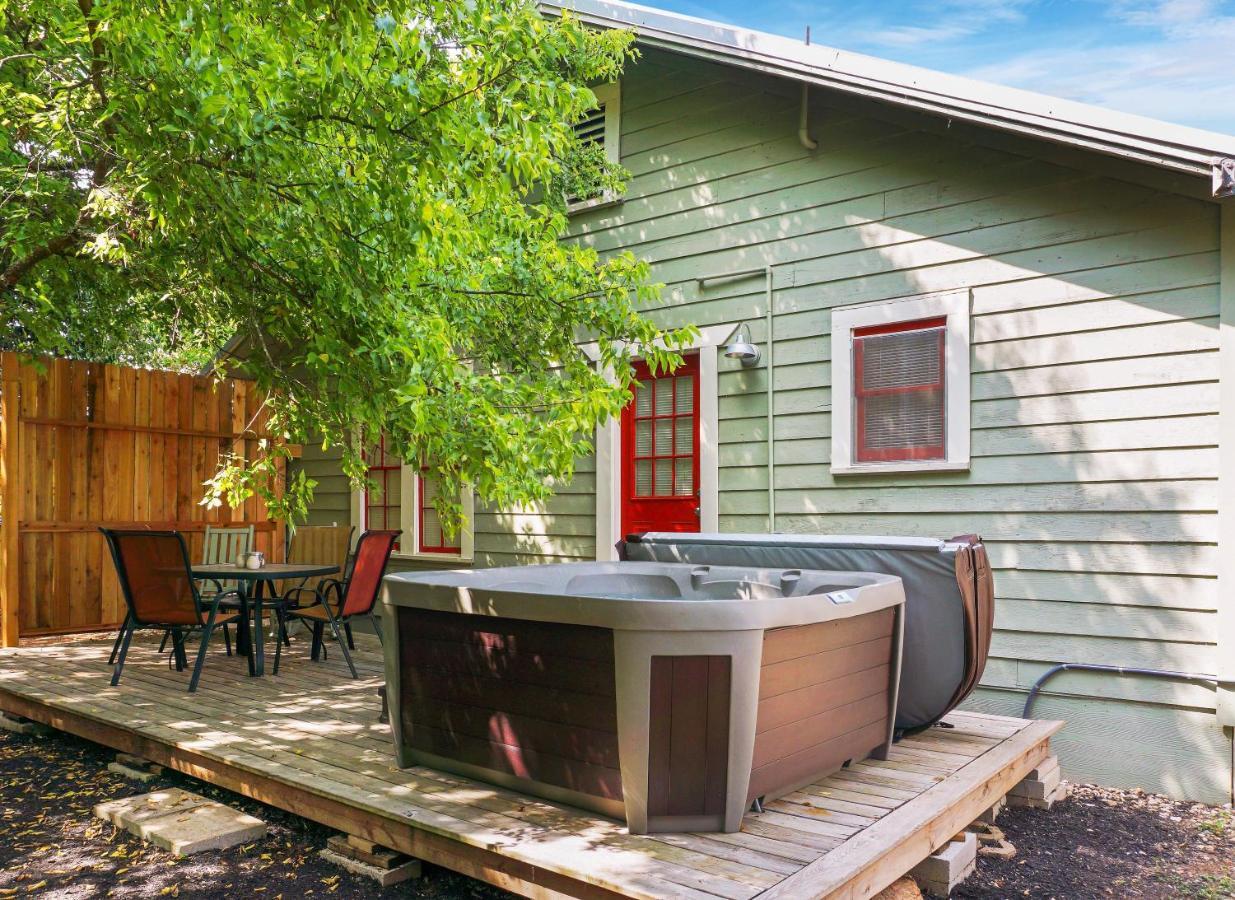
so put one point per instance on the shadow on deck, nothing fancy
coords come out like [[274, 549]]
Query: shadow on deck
[[309, 742]]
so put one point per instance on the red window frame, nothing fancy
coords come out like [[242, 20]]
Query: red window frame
[[380, 473], [420, 523], [864, 453]]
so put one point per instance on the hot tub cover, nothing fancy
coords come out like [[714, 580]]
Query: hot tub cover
[[949, 598]]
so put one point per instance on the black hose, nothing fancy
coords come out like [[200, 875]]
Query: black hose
[[1119, 670]]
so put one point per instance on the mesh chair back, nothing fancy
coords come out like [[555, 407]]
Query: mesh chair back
[[153, 568], [372, 554], [321, 545], [224, 545]]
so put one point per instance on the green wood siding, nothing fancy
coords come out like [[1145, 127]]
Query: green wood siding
[[1094, 381]]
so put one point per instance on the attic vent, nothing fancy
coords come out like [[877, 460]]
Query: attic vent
[[591, 129], [599, 127]]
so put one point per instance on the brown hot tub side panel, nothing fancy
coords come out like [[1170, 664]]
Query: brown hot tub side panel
[[528, 700], [824, 698], [688, 741]]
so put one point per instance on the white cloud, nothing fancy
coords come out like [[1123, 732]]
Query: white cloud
[[1184, 82], [952, 20], [1172, 60]]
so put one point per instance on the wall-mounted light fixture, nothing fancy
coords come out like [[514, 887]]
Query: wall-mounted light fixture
[[741, 348]]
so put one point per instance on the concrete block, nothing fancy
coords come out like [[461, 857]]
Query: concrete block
[[384, 877], [1049, 767], [182, 822], [941, 872], [1061, 792], [1037, 788], [20, 725], [992, 814], [138, 762], [141, 775]]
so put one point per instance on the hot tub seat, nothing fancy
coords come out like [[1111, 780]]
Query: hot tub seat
[[670, 695]]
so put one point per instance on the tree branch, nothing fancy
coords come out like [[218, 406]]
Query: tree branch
[[54, 247]]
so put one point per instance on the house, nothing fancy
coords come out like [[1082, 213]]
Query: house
[[989, 311]]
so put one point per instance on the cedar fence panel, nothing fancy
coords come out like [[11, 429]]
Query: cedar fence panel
[[84, 445]]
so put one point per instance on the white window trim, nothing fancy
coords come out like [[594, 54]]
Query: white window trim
[[955, 306], [610, 95], [609, 450], [409, 520]]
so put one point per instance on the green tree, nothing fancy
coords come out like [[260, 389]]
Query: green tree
[[368, 197]]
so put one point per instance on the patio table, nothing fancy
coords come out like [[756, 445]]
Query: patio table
[[252, 584]]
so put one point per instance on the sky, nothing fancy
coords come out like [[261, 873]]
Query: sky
[[1168, 59]]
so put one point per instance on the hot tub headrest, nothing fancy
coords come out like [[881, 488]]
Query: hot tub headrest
[[949, 597]]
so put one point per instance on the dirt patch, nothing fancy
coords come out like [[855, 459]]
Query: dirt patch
[[51, 845], [1103, 843]]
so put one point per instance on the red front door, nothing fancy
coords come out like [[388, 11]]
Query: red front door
[[660, 452]]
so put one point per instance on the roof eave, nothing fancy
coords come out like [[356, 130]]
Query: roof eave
[[652, 27]]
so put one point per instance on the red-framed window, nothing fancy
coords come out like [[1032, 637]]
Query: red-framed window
[[430, 536], [899, 391], [381, 506]]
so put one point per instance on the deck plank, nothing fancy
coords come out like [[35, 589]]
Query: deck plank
[[309, 741]]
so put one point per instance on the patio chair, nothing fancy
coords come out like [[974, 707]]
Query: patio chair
[[327, 545], [355, 598], [160, 593], [221, 545]]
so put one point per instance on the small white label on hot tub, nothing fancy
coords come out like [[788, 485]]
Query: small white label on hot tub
[[840, 597]]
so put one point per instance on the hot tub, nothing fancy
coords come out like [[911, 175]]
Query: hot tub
[[671, 695]]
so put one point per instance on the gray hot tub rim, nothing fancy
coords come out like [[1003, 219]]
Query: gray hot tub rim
[[947, 635]]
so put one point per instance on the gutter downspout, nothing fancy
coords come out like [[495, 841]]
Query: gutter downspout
[[804, 137]]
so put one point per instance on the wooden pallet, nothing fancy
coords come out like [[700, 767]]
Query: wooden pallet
[[309, 742]]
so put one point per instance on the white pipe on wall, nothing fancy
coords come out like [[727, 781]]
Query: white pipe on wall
[[771, 313]]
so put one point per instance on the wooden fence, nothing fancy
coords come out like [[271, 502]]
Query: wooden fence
[[84, 445]]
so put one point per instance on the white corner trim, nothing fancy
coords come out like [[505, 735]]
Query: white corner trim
[[357, 510], [609, 488], [954, 305], [1226, 467], [609, 447]]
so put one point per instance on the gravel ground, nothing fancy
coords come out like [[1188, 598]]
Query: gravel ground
[[1101, 843], [1109, 843], [51, 845]]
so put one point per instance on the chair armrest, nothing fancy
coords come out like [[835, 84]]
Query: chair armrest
[[218, 585], [292, 595], [233, 598]]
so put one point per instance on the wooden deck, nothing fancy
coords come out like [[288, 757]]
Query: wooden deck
[[309, 742]]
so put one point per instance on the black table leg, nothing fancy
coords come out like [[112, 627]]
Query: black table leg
[[244, 637], [259, 633]]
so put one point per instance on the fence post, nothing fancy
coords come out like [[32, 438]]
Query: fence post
[[10, 498]]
